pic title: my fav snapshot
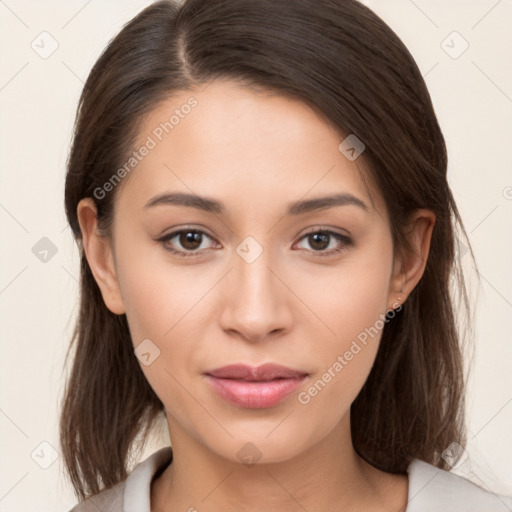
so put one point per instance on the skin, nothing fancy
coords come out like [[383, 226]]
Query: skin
[[256, 152]]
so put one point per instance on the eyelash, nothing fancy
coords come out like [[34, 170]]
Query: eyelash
[[188, 254]]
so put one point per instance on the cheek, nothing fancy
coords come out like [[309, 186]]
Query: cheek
[[351, 303], [160, 313], [344, 358], [158, 296], [348, 299], [164, 304]]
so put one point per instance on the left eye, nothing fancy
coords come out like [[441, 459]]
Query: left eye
[[321, 240], [191, 242]]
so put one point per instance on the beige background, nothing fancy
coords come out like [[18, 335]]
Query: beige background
[[472, 95]]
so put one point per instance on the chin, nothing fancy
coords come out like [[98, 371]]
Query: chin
[[260, 447]]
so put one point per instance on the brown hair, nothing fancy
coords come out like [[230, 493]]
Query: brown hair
[[345, 62]]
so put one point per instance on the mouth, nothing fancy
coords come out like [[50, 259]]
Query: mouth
[[255, 387]]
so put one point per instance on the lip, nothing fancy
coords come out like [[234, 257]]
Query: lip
[[255, 387]]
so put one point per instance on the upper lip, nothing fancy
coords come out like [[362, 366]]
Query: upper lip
[[268, 371]]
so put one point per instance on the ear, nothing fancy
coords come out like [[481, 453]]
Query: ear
[[410, 265], [99, 254]]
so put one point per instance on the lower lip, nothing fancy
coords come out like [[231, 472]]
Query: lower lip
[[255, 394]]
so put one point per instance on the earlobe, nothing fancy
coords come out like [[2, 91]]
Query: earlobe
[[98, 251], [409, 268]]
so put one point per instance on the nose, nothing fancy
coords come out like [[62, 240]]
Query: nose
[[256, 301]]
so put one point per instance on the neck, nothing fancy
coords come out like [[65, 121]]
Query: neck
[[329, 476]]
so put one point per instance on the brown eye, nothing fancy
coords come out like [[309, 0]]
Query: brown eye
[[320, 240], [184, 242]]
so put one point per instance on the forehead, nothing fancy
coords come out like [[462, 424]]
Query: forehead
[[230, 141]]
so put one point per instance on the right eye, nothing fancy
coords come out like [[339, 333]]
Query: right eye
[[189, 239]]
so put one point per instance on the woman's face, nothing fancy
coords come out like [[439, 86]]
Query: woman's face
[[255, 285]]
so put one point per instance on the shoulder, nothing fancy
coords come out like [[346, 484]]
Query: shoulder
[[107, 500], [432, 488], [132, 494]]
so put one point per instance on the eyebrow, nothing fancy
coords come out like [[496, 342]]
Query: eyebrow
[[295, 208]]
